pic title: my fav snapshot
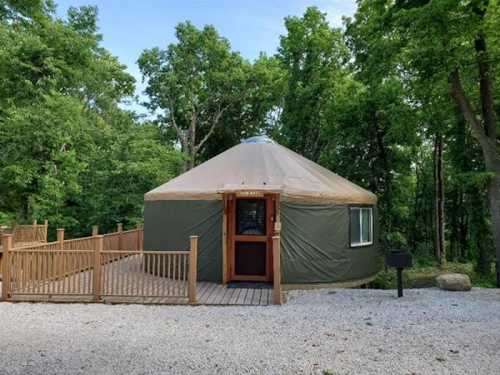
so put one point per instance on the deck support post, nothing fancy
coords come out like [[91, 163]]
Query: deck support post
[[7, 247], [99, 242], [139, 232], [33, 236], [60, 238], [45, 230], [277, 300], [119, 229], [193, 265], [225, 275]]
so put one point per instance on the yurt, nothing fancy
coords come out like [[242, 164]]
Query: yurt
[[237, 201]]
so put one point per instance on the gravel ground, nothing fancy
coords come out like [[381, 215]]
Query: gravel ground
[[317, 332]]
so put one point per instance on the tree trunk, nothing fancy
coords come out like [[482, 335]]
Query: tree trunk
[[494, 197], [454, 248], [464, 228], [485, 133], [439, 199], [189, 162], [383, 155]]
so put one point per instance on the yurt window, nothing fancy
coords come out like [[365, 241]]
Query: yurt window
[[361, 226]]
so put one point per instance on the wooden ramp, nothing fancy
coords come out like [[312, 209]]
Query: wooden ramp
[[212, 294], [208, 294], [124, 281]]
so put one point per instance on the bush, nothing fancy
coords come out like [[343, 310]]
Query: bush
[[425, 276], [6, 218]]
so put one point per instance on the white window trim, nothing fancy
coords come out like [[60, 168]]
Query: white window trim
[[362, 243]]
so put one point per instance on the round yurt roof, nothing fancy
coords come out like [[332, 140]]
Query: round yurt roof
[[260, 164]]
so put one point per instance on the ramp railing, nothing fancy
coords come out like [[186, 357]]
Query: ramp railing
[[111, 268]]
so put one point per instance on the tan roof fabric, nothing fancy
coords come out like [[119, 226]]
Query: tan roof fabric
[[262, 166]]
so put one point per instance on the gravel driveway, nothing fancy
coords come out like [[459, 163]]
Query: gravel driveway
[[320, 332]]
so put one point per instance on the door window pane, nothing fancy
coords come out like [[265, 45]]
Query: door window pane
[[251, 217]]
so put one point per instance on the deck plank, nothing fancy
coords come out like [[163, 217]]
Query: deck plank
[[213, 294], [248, 298], [241, 297], [234, 298], [256, 296], [210, 288], [227, 296], [221, 292], [201, 289]]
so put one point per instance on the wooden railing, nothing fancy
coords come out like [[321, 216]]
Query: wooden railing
[[142, 274], [24, 235], [27, 234], [146, 274], [30, 233], [49, 272], [100, 267]]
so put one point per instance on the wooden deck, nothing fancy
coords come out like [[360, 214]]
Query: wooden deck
[[211, 294], [208, 294], [217, 294], [142, 288]]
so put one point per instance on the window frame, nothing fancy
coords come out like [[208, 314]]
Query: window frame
[[361, 208]]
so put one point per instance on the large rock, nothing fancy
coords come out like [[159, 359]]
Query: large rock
[[456, 282]]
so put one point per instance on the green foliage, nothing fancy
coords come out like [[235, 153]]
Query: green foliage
[[69, 154], [424, 274], [366, 102], [312, 55], [421, 43], [204, 91]]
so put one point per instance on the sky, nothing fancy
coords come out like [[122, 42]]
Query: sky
[[252, 26]]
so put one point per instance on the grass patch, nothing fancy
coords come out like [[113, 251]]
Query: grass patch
[[425, 276]]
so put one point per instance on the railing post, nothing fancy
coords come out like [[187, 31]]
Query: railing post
[[60, 238], [138, 242], [95, 230], [34, 231], [45, 230], [277, 271], [193, 264], [119, 229], [99, 241], [7, 246]]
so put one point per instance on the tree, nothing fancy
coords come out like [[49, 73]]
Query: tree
[[194, 82], [372, 141], [378, 136], [312, 55], [463, 45], [69, 153], [435, 47], [255, 111]]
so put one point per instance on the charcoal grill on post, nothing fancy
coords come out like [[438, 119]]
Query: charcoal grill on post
[[400, 260]]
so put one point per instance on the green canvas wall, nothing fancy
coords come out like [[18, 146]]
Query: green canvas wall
[[315, 245], [314, 239], [168, 225]]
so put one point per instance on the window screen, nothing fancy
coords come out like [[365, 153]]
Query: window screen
[[361, 226], [251, 217]]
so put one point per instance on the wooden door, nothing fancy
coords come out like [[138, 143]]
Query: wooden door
[[250, 229]]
